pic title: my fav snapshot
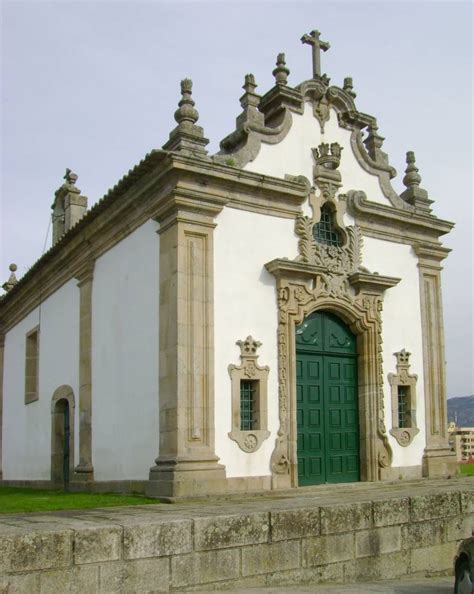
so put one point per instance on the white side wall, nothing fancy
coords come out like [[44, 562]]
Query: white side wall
[[293, 155], [27, 428], [401, 319], [245, 303], [125, 357]]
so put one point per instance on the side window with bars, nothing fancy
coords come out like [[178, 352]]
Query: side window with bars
[[248, 405], [325, 231]]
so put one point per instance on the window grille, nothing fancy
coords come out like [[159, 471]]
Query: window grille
[[324, 231], [403, 421], [248, 416]]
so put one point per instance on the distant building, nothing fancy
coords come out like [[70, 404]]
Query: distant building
[[264, 318], [461, 440]]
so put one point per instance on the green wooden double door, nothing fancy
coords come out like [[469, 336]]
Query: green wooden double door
[[327, 401]]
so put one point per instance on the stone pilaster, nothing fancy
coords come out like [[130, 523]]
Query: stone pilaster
[[187, 464], [438, 460], [84, 471], [2, 350]]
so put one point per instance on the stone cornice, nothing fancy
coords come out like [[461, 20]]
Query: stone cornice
[[366, 282], [163, 186], [372, 283], [430, 256], [282, 268], [430, 252], [244, 190], [385, 222]]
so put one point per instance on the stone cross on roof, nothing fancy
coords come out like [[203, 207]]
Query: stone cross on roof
[[318, 45]]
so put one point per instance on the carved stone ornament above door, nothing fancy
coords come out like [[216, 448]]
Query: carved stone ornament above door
[[329, 276]]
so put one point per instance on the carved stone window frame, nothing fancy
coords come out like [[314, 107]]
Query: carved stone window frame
[[249, 441], [403, 435]]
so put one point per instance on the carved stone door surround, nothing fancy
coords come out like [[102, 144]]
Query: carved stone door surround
[[357, 299]]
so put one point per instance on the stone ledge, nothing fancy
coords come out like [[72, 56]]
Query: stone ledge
[[249, 543]]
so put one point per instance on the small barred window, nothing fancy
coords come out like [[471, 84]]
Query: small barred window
[[403, 407], [324, 231], [248, 402]]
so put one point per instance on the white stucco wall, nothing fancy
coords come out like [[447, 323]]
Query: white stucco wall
[[401, 318], [125, 357], [245, 303], [293, 155], [27, 428]]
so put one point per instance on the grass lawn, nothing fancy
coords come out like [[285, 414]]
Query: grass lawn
[[17, 499], [467, 469]]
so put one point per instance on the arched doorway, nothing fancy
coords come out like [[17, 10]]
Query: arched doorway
[[327, 416], [62, 435]]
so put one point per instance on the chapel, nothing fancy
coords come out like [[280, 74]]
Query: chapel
[[267, 317]]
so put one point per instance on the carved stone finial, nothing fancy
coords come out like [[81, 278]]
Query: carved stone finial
[[413, 194], [187, 137], [249, 85], [250, 97], [281, 72], [348, 87], [412, 177], [70, 177], [317, 45], [248, 347], [12, 280], [373, 143], [186, 114]]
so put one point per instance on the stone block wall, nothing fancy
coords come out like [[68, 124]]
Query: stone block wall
[[173, 548]]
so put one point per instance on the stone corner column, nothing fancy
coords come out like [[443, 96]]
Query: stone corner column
[[187, 464], [438, 459], [84, 471]]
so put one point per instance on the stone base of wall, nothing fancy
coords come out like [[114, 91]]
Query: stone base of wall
[[232, 485], [401, 473], [86, 487], [256, 542]]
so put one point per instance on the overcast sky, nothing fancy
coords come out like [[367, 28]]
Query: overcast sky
[[93, 86]]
